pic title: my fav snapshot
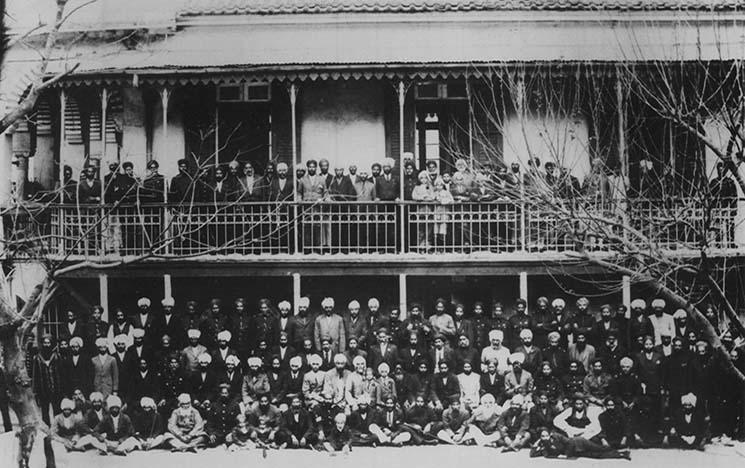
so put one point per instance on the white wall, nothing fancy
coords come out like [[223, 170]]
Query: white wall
[[342, 121], [168, 152], [134, 144]]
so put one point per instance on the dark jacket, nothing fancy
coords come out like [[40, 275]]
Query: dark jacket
[[124, 430]]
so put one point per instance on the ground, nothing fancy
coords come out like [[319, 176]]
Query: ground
[[408, 457]]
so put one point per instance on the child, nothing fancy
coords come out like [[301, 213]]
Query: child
[[339, 438], [240, 436]]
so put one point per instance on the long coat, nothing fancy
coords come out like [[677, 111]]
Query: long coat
[[105, 375]]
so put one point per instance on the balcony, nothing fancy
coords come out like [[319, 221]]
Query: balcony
[[472, 230]]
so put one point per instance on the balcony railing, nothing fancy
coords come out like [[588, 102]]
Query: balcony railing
[[263, 228]]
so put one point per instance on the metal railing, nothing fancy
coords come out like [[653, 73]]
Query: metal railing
[[266, 228]]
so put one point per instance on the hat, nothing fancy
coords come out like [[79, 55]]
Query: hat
[[487, 398], [224, 335], [315, 359], [296, 361], [358, 360], [496, 335], [282, 165], [658, 303], [118, 339], [67, 404], [558, 302], [147, 402], [76, 340], [284, 305], [431, 162], [113, 401], [389, 162], [184, 398], [626, 361], [204, 358], [102, 342], [153, 164], [128, 164], [517, 357], [327, 302], [638, 304], [254, 361], [168, 302], [233, 359], [363, 399], [138, 333], [340, 358], [542, 300], [373, 302], [353, 305], [518, 400], [143, 302], [303, 302], [554, 334], [385, 366], [526, 334], [688, 398], [96, 396], [583, 301], [193, 333], [679, 314]]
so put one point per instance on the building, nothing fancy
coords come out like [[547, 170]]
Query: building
[[350, 81]]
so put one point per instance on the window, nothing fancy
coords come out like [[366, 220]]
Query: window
[[246, 92]]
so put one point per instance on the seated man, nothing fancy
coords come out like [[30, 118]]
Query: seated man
[[96, 412], [263, 417], [186, 427], [313, 383], [115, 432], [541, 415], [387, 426], [615, 430], [482, 426], [339, 438], [297, 427], [518, 381], [454, 423], [513, 425], [689, 426], [148, 425], [578, 426], [597, 383], [420, 421], [360, 421], [69, 429], [240, 437], [221, 417]]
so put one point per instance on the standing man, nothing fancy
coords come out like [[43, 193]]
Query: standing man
[[153, 187], [105, 370], [182, 185], [330, 324], [45, 377], [312, 187]]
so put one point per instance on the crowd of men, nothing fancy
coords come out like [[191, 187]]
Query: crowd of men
[[579, 381]]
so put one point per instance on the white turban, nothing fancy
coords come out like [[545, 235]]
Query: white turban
[[184, 398], [76, 340], [327, 302], [168, 302], [583, 301], [284, 305], [559, 302], [101, 342], [315, 359], [254, 361], [296, 361], [233, 359], [638, 304], [363, 399], [496, 335], [658, 303], [143, 301], [193, 333], [354, 305], [518, 400], [688, 398], [487, 398], [303, 302], [138, 333], [118, 339], [385, 366], [340, 358], [358, 360], [389, 162], [282, 165], [147, 402], [204, 358], [517, 357], [626, 361], [679, 314], [525, 334], [113, 400], [67, 404], [96, 396], [373, 303], [554, 334], [224, 336]]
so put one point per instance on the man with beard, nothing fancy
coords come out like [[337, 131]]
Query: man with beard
[[424, 385], [294, 379], [182, 185], [555, 355], [662, 323], [387, 425], [492, 383], [139, 350], [415, 323], [580, 351], [356, 324], [221, 416], [214, 321], [170, 324], [546, 383], [96, 412], [410, 356], [679, 375], [517, 323], [582, 321], [262, 324], [231, 375], [255, 382], [605, 326], [145, 383], [283, 351], [452, 429], [387, 186], [496, 353], [75, 370], [241, 331], [301, 327], [573, 379], [445, 385], [481, 326], [635, 405], [162, 355], [355, 388], [69, 429], [464, 353], [186, 426], [360, 421], [335, 383], [73, 327], [203, 384], [410, 176], [518, 381], [115, 432], [105, 370], [597, 383], [149, 427], [282, 323], [190, 354], [513, 426], [688, 426], [639, 326], [532, 353], [280, 187], [615, 430], [297, 427], [383, 351], [222, 352], [544, 322], [174, 382], [312, 187], [94, 329], [89, 189], [145, 320], [313, 384], [331, 325], [541, 415], [563, 320], [611, 353], [482, 425], [263, 418], [153, 187], [120, 327]]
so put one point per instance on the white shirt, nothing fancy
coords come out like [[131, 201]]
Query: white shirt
[[75, 359], [116, 421]]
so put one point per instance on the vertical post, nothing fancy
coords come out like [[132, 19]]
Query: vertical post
[[626, 294], [470, 122], [402, 299], [524, 285], [165, 95], [295, 291], [296, 210], [103, 294], [217, 127], [401, 152], [524, 223], [621, 116], [167, 287], [104, 117], [63, 111]]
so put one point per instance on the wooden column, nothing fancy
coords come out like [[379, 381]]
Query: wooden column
[[295, 291], [167, 287], [63, 111], [626, 294], [293, 89], [402, 297], [103, 295], [102, 164], [402, 207], [621, 123], [524, 285]]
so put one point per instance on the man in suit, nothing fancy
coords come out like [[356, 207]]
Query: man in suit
[[94, 329], [283, 351], [232, 376], [145, 320], [445, 385], [440, 353], [312, 188], [223, 351], [203, 383], [73, 327], [153, 187], [387, 186], [182, 185], [115, 432], [170, 324], [134, 353], [251, 186], [280, 188], [89, 189], [355, 324], [297, 428], [145, 383], [302, 325], [105, 371], [412, 355], [383, 351], [75, 370], [331, 325]]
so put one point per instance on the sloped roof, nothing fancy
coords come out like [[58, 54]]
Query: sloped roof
[[272, 7]]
